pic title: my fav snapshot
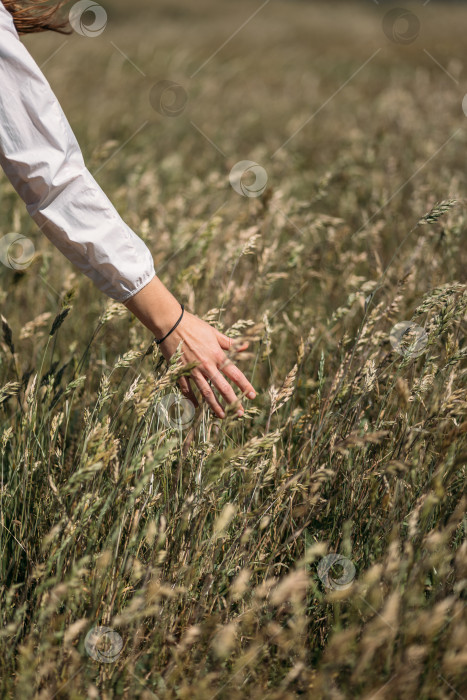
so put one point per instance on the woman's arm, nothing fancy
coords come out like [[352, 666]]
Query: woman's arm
[[41, 157]]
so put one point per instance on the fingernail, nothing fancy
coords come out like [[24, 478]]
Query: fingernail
[[222, 414], [252, 395], [240, 413]]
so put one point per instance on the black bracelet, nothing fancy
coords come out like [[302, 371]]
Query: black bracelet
[[172, 329]]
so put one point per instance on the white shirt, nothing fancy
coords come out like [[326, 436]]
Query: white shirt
[[41, 157]]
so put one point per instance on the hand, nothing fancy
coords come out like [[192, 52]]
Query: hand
[[203, 343], [158, 310]]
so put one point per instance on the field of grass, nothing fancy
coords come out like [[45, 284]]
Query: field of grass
[[315, 547]]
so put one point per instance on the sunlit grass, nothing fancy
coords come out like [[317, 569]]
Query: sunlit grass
[[201, 547]]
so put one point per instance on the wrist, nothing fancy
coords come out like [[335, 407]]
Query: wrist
[[155, 307], [164, 337]]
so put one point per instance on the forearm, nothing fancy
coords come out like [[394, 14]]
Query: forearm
[[155, 307]]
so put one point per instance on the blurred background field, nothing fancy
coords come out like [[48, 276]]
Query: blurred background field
[[201, 548]]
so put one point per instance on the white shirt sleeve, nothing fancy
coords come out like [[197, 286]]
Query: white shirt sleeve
[[42, 159]]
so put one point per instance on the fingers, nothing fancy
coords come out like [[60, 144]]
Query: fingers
[[207, 393], [227, 343], [238, 378], [187, 391], [224, 388], [208, 372]]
